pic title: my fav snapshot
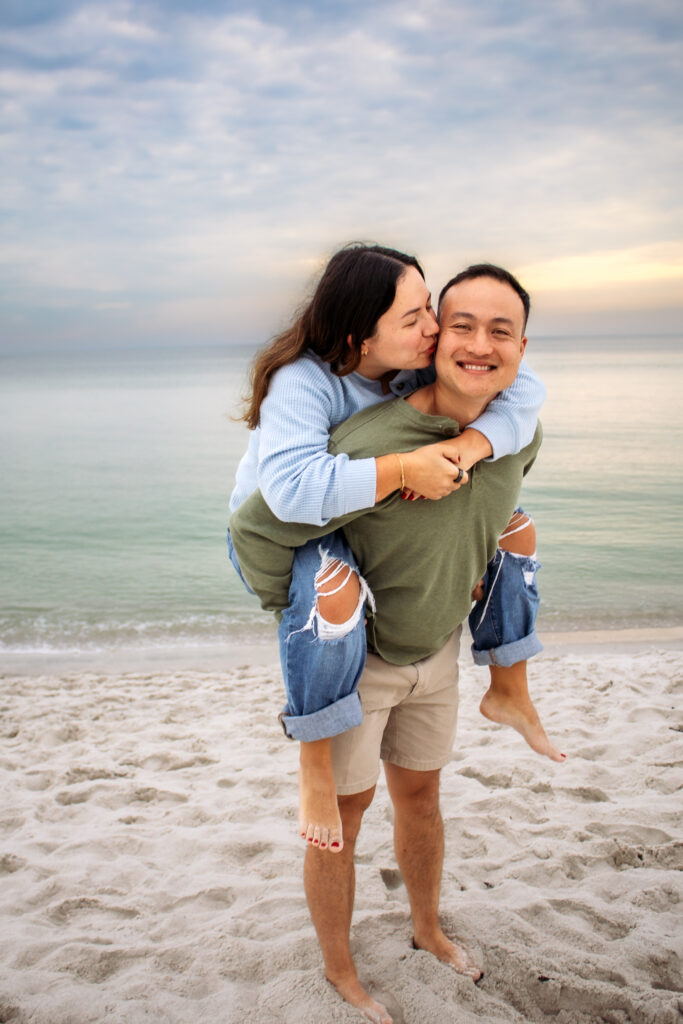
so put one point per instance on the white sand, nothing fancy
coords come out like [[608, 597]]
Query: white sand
[[150, 869]]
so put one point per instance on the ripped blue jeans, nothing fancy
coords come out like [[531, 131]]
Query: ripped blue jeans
[[503, 622], [322, 663]]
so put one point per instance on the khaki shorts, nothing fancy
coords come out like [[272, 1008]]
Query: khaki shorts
[[410, 713]]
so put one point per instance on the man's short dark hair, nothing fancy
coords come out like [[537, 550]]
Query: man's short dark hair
[[498, 274]]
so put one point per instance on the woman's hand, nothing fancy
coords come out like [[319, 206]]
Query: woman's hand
[[464, 450], [428, 472], [432, 472]]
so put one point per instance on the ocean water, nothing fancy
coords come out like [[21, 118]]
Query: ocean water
[[116, 470]]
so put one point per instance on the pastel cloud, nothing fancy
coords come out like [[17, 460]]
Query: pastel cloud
[[611, 267], [174, 163]]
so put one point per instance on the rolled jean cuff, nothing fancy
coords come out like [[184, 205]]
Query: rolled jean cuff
[[340, 716], [509, 654]]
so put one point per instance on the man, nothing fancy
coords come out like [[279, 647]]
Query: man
[[421, 561]]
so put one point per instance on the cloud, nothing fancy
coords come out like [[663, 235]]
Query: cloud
[[596, 270], [164, 156]]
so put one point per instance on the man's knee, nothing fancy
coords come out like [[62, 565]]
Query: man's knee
[[415, 793]]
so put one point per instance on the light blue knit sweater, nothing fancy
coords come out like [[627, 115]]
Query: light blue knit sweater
[[287, 455]]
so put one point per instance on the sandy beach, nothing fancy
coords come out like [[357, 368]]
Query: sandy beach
[[150, 868]]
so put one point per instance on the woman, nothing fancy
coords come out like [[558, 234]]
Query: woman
[[367, 335]]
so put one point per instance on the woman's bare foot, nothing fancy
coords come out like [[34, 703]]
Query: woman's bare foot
[[457, 957], [319, 820], [353, 992], [519, 712]]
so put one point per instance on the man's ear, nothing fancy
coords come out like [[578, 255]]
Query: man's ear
[[523, 343]]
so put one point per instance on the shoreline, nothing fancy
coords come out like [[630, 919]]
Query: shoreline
[[218, 657], [668, 637]]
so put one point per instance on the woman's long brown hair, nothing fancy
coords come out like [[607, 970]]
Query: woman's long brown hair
[[356, 288]]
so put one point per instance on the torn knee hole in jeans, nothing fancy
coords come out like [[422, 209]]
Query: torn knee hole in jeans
[[334, 569]]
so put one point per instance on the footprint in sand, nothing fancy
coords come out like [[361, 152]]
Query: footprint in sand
[[66, 799], [600, 999], [391, 877], [591, 794], [227, 783], [75, 775], [36, 782], [78, 904], [218, 896], [494, 781], [170, 763], [665, 970], [9, 863], [610, 928], [63, 734], [667, 857], [149, 794], [659, 898], [644, 835], [11, 823], [97, 967], [244, 853]]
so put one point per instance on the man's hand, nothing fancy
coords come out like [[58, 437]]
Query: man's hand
[[432, 472]]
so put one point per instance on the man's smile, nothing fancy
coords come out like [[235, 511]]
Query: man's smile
[[475, 367]]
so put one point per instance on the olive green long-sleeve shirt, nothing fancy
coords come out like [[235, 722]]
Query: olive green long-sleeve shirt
[[421, 559]]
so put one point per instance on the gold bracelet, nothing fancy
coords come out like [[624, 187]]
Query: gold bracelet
[[403, 476]]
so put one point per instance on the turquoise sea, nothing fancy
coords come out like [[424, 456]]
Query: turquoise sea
[[116, 469]]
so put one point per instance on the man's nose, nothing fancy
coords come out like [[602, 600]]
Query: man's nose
[[479, 342]]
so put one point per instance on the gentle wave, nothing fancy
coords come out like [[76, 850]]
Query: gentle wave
[[45, 635]]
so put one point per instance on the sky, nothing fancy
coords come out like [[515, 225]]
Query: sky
[[177, 171]]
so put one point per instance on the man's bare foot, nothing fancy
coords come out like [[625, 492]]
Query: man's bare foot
[[319, 820], [457, 957], [353, 992], [520, 713]]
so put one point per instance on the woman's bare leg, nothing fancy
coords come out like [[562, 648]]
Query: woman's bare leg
[[507, 702], [507, 699], [319, 820]]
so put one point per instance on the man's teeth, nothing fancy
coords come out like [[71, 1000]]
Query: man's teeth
[[475, 366]]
